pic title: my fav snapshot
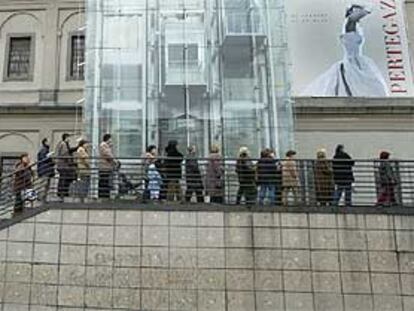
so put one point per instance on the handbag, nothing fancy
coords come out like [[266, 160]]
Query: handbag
[[79, 188]]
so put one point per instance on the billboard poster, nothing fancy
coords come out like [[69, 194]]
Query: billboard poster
[[343, 48]]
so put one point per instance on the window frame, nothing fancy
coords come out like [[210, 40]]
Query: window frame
[[30, 75], [185, 60], [69, 76]]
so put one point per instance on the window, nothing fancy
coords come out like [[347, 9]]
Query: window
[[77, 57], [19, 57], [192, 54], [176, 54]]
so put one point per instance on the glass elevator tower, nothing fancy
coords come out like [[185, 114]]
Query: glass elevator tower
[[201, 72]]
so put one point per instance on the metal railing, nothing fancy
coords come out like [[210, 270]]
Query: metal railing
[[305, 183]]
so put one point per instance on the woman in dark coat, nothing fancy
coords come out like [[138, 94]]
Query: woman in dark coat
[[387, 180], [324, 182], [343, 175], [193, 176], [172, 170], [246, 174], [22, 181]]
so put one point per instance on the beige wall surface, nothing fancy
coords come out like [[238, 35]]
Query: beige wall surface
[[23, 132], [50, 22]]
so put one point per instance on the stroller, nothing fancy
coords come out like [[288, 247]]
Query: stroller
[[128, 188]]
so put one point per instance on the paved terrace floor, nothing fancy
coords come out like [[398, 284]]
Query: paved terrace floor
[[206, 258]]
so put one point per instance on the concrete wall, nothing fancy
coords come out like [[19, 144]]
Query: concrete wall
[[208, 261]]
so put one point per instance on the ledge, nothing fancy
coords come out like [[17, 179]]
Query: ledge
[[309, 105], [39, 109]]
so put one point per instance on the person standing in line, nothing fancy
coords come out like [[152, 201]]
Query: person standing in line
[[387, 181], [215, 176], [343, 175], [267, 177], [84, 168], [154, 182], [65, 166], [172, 166], [45, 167], [324, 182], [193, 176], [246, 175], [290, 178], [278, 183], [148, 159], [107, 165], [22, 181]]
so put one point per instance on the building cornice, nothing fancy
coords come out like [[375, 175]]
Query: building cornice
[[352, 106], [43, 110]]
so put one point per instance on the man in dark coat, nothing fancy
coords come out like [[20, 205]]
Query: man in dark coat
[[45, 167], [193, 176], [246, 175], [342, 165], [45, 164], [267, 176], [172, 170]]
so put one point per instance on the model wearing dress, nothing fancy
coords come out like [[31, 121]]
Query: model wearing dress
[[356, 75]]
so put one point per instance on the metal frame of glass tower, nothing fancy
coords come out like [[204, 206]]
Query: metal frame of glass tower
[[201, 72]]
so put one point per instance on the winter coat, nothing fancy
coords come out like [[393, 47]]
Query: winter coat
[[342, 165], [45, 164], [290, 178], [107, 160], [172, 164], [83, 162], [22, 177], [192, 171], [324, 180], [387, 175], [215, 175], [267, 171], [154, 179], [245, 172], [64, 156]]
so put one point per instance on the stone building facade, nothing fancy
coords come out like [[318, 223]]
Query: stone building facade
[[47, 100]]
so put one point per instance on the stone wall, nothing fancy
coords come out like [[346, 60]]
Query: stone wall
[[207, 261], [50, 22]]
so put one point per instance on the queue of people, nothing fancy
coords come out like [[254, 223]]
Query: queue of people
[[269, 179]]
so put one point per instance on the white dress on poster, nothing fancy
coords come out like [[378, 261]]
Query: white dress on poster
[[355, 76]]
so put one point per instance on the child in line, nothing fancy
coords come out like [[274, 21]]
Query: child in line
[[154, 182]]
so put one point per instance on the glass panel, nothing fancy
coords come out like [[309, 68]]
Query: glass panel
[[197, 71]]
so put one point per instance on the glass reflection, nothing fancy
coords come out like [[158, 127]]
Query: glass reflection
[[198, 71]]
